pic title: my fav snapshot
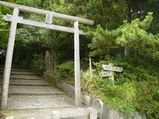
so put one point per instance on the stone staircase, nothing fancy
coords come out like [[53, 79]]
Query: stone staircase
[[31, 97]]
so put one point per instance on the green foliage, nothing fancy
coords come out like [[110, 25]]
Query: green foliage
[[33, 3], [109, 14], [140, 7], [118, 96], [42, 39], [134, 31], [38, 64], [136, 88], [102, 41], [147, 100], [56, 41], [3, 28], [66, 70], [132, 37]]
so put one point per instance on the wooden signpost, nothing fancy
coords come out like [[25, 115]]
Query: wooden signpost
[[110, 69], [105, 74]]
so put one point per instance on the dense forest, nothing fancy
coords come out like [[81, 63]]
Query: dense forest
[[125, 33]]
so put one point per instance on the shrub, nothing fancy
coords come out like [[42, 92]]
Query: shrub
[[136, 88], [38, 64], [66, 69]]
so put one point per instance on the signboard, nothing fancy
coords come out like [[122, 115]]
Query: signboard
[[118, 69], [107, 67], [105, 74], [111, 68]]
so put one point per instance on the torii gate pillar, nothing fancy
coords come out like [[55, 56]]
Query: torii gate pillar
[[8, 61], [77, 64]]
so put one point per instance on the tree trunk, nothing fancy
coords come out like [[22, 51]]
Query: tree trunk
[[126, 51], [47, 61], [53, 62]]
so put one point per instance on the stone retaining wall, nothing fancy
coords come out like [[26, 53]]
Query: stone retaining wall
[[105, 111]]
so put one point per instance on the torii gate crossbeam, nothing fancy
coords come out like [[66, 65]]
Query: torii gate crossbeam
[[16, 19]]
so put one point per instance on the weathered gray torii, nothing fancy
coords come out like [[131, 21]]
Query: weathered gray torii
[[49, 15]]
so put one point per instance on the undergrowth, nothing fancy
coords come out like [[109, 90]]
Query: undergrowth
[[135, 89]]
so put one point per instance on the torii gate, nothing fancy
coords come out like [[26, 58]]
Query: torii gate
[[49, 15]]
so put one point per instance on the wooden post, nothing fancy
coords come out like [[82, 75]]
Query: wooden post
[[9, 118], [48, 18], [77, 64], [93, 113], [47, 61], [8, 61], [112, 72], [55, 115], [90, 67], [21, 20]]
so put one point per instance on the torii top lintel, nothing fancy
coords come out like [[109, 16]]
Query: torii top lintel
[[44, 12]]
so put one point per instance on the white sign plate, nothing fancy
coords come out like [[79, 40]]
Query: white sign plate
[[105, 74], [112, 68], [107, 67], [118, 69]]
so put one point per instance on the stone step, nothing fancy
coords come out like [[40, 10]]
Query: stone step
[[28, 82], [39, 101], [20, 73], [45, 113], [30, 97], [34, 90], [18, 70], [23, 77], [75, 113]]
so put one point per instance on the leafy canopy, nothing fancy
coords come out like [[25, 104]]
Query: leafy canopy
[[132, 35]]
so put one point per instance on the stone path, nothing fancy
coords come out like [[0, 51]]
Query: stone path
[[31, 97]]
